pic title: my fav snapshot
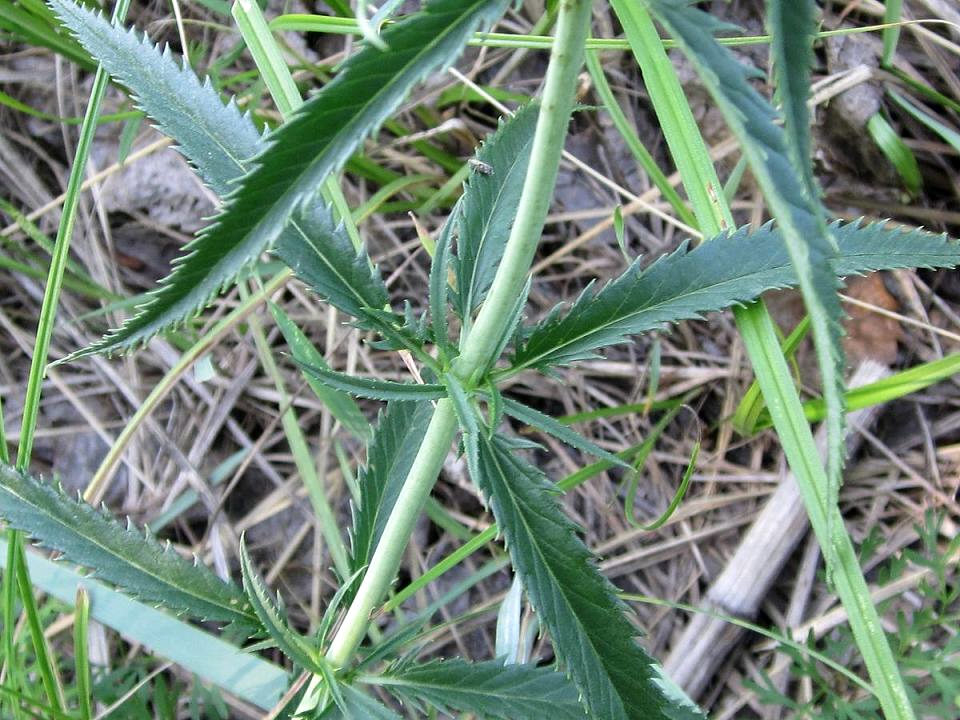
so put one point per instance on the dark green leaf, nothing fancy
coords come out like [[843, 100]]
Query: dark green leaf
[[219, 142], [343, 407], [121, 555], [389, 457], [490, 202], [488, 689], [715, 275], [295, 647], [439, 284], [357, 706], [546, 424], [578, 606], [373, 388]]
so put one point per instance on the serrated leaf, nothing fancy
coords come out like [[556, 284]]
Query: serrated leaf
[[490, 200], [356, 705], [315, 142], [466, 419], [578, 606], [343, 407], [546, 424], [782, 165], [389, 457], [373, 388], [717, 274], [439, 285], [219, 142], [487, 689], [121, 555], [291, 644]]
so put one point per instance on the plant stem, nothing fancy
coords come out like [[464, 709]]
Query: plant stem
[[558, 96]]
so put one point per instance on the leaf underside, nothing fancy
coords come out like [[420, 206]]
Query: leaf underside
[[725, 271], [136, 563], [591, 636], [292, 162], [488, 689], [389, 457]]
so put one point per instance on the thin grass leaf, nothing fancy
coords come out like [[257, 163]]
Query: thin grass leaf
[[314, 143], [487, 689], [578, 606], [490, 200], [123, 556], [373, 388], [728, 270], [389, 457], [781, 161], [546, 424], [81, 653], [291, 644]]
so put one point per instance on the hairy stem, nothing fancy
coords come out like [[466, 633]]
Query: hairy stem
[[558, 95]]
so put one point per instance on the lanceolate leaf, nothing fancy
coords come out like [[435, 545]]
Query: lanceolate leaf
[[545, 423], [389, 457], [373, 388], [488, 689], [490, 202], [122, 556], [591, 636], [220, 143], [713, 276], [357, 706], [780, 160], [295, 647]]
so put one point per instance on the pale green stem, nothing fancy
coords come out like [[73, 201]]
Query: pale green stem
[[556, 104]]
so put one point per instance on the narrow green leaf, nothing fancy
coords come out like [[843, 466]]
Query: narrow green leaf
[[123, 556], [897, 152], [546, 424], [81, 653], [439, 284], [728, 270], [578, 606], [373, 388], [488, 689], [343, 407], [466, 419], [291, 644], [357, 706], [490, 200], [389, 458]]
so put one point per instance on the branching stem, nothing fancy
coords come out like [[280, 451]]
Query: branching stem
[[480, 346]]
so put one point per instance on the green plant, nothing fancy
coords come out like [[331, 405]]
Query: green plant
[[280, 196]]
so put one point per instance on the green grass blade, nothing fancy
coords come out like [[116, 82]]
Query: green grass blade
[[240, 673], [897, 152], [81, 654], [487, 689], [45, 663], [575, 603], [120, 555]]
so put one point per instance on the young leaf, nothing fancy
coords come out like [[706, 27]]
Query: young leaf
[[780, 160], [490, 201], [389, 457], [488, 689], [466, 419], [294, 646], [122, 556], [546, 424], [315, 142], [373, 388], [578, 606], [716, 274], [439, 284], [343, 407], [219, 142]]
